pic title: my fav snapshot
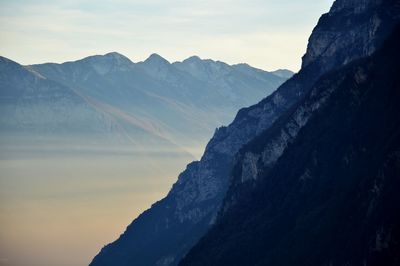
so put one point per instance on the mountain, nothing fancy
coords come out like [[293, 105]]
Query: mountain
[[31, 102], [168, 99], [320, 186], [163, 234], [36, 110]]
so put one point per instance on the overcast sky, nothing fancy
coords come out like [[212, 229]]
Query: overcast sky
[[268, 34]]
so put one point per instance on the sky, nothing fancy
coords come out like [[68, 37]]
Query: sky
[[49, 212], [268, 34]]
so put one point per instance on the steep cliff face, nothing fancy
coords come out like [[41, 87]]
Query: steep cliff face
[[319, 186], [357, 26], [164, 233], [351, 30]]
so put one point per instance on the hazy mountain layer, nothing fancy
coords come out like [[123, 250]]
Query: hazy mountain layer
[[181, 102], [104, 131]]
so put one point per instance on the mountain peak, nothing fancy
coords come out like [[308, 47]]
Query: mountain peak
[[4, 59], [242, 66], [106, 63], [193, 58], [355, 6], [8, 64], [283, 73], [118, 58], [116, 55], [156, 59]]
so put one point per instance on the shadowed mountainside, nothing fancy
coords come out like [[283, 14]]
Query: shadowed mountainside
[[163, 234], [325, 174]]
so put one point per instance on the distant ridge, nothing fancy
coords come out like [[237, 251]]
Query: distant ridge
[[284, 73], [146, 103]]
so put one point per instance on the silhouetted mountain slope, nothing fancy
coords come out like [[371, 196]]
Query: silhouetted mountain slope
[[320, 187], [165, 232]]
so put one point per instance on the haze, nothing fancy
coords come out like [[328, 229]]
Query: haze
[[59, 209]]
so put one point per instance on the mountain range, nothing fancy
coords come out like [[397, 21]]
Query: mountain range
[[108, 99], [307, 176]]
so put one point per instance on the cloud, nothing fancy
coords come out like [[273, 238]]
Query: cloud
[[37, 30]]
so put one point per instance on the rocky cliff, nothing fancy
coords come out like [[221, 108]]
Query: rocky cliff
[[165, 232], [319, 186]]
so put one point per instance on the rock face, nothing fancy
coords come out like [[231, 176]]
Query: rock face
[[165, 232], [356, 26], [324, 177]]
